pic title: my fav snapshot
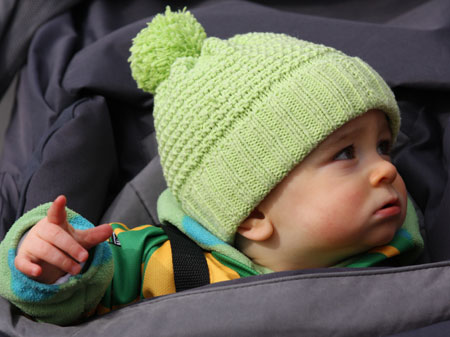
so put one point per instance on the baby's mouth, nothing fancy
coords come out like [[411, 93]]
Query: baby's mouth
[[390, 208], [390, 204]]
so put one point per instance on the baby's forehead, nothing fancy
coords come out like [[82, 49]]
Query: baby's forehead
[[371, 120]]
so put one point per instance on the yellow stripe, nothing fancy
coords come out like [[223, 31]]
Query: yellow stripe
[[140, 227], [219, 272], [119, 230], [124, 227], [389, 251], [158, 278]]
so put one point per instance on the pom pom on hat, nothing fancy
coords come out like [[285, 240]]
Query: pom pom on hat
[[166, 38]]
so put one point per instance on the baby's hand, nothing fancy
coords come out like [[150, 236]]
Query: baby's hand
[[53, 247]]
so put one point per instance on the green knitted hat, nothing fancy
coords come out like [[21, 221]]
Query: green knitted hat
[[234, 116]]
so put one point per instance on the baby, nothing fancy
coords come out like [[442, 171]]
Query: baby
[[276, 152]]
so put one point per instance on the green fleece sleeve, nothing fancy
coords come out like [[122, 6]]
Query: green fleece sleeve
[[58, 304]]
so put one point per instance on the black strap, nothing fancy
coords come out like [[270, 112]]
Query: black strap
[[189, 263]]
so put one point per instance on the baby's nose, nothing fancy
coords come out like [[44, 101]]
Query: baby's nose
[[383, 172]]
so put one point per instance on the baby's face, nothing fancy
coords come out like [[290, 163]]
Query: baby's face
[[343, 199]]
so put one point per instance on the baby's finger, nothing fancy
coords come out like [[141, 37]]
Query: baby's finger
[[57, 212], [93, 236], [44, 251], [59, 238], [27, 267]]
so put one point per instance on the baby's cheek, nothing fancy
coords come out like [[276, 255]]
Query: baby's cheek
[[335, 232], [339, 217], [399, 185], [352, 196]]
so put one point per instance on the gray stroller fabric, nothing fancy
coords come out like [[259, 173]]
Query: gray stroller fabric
[[357, 303], [80, 127], [19, 20]]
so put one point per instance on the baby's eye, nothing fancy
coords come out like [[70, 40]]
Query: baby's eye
[[384, 148], [346, 153]]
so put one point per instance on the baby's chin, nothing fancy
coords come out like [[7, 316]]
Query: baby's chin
[[386, 234]]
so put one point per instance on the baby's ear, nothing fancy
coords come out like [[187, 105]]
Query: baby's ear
[[257, 227]]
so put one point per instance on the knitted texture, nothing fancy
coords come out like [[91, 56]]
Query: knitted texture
[[173, 35], [235, 119]]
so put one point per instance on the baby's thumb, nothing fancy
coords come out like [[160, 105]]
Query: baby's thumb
[[93, 236]]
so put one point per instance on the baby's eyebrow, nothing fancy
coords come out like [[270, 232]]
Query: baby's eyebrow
[[340, 135], [335, 141], [330, 145]]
